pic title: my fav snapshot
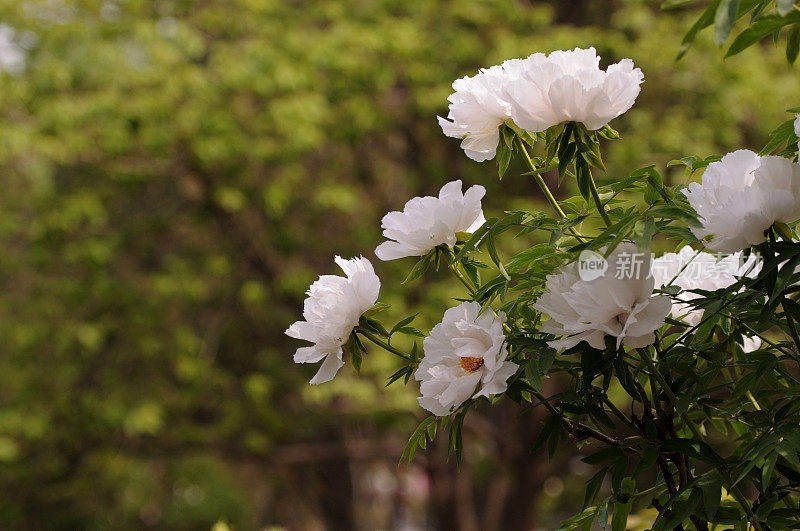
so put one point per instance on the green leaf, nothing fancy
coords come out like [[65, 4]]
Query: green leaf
[[377, 308], [420, 267], [503, 159], [705, 20], [584, 177], [399, 374], [760, 29], [619, 520], [493, 255], [682, 507], [779, 136], [476, 237], [681, 232], [674, 212], [711, 487], [533, 374], [792, 44], [550, 429], [767, 470], [672, 4], [507, 134], [402, 323], [417, 440], [609, 454], [724, 19], [785, 273], [582, 520], [565, 156], [642, 233], [593, 487], [374, 326], [410, 331], [609, 133]]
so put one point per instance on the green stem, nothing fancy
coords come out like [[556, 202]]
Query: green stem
[[538, 178], [614, 409], [753, 400], [726, 479], [460, 276], [582, 430], [757, 334], [381, 343]]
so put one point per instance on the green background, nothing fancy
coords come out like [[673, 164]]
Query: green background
[[176, 173]]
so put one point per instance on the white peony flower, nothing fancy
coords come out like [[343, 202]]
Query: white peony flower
[[705, 271], [741, 196], [464, 352], [546, 90], [618, 303], [331, 311], [477, 109], [797, 128], [426, 222]]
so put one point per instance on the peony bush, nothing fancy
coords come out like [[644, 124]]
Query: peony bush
[[678, 373]]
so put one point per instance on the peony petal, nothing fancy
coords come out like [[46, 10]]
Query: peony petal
[[308, 355], [333, 362], [392, 251]]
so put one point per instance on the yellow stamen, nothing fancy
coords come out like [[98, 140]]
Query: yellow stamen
[[471, 364]]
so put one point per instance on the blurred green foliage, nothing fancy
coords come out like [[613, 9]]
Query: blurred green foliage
[[175, 174]]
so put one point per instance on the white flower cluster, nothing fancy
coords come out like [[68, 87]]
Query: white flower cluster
[[741, 196], [466, 355], [537, 93]]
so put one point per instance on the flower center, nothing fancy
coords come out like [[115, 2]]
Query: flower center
[[470, 364]]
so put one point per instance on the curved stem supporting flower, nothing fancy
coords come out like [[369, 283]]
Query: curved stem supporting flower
[[726, 479], [538, 178], [460, 276], [381, 343]]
